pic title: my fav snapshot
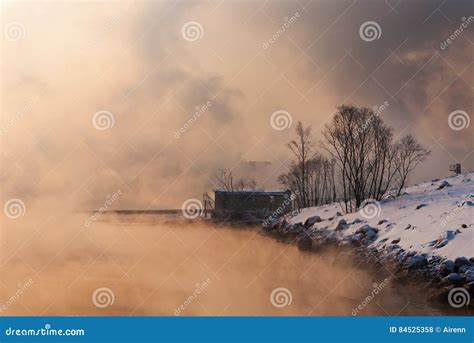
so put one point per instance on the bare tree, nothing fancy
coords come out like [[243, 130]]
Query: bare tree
[[381, 168], [302, 149], [367, 160], [225, 181], [310, 176], [349, 140], [292, 181], [364, 161], [409, 153]]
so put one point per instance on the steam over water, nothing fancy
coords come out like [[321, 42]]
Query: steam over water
[[143, 265]]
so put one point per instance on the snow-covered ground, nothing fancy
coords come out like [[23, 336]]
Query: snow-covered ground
[[433, 218]]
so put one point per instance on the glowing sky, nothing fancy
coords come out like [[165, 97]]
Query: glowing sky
[[62, 62]]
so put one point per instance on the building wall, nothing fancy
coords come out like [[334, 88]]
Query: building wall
[[260, 205]]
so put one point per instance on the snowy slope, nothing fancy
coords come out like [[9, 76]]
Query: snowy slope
[[442, 225]]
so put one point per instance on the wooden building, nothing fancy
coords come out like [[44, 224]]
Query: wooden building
[[248, 205]]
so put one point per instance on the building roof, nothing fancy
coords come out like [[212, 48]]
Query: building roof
[[256, 192]]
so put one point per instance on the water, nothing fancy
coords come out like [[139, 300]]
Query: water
[[143, 265]]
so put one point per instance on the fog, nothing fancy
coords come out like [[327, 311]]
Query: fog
[[151, 266], [64, 62]]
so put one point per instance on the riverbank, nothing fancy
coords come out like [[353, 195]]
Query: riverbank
[[424, 236]]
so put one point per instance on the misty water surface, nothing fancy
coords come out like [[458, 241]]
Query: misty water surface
[[153, 267]]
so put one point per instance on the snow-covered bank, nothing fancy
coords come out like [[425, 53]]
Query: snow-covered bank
[[429, 228], [442, 225]]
